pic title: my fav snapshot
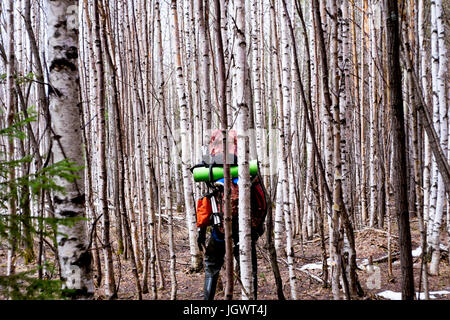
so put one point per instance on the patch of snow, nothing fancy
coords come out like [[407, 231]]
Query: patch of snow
[[370, 268], [440, 293], [422, 295], [362, 263], [312, 266], [391, 295], [417, 252]]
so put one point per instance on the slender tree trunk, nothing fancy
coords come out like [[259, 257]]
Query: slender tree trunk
[[185, 144], [373, 118], [283, 172], [226, 167], [278, 219], [399, 182], [204, 69], [10, 114], [441, 88], [241, 106], [364, 200], [335, 253], [110, 283], [434, 55]]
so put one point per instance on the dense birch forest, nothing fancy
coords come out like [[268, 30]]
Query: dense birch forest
[[106, 106]]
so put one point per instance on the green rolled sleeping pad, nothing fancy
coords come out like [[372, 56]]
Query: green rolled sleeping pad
[[202, 173]]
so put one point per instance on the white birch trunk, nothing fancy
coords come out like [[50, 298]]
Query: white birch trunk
[[204, 70], [443, 123], [241, 104], [435, 104], [110, 286], [363, 188], [256, 77], [423, 77], [274, 136], [282, 127], [373, 119], [335, 225], [74, 256], [10, 114], [185, 144]]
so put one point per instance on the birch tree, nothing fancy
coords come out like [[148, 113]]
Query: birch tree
[[10, 113], [185, 143], [74, 255], [229, 265], [241, 105], [283, 158], [439, 61], [373, 117], [204, 67], [337, 205], [110, 285]]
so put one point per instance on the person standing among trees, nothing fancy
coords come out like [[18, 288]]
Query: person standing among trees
[[215, 248]]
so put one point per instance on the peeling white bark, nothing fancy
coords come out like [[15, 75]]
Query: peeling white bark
[[241, 104], [283, 127], [442, 120], [65, 109], [185, 143]]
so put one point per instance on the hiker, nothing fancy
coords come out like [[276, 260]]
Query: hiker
[[212, 217]]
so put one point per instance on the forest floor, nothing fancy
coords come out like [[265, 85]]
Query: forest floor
[[369, 242]]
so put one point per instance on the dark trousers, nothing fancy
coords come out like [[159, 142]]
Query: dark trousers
[[214, 260]]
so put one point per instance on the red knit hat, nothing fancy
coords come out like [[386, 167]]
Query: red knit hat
[[215, 143]]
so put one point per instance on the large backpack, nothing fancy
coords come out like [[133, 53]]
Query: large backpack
[[258, 196], [259, 205]]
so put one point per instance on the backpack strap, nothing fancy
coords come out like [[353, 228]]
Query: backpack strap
[[211, 165]]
